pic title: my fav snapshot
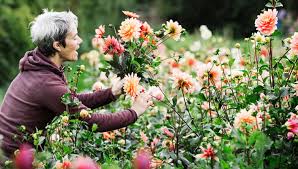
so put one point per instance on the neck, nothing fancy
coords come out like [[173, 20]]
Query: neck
[[56, 59]]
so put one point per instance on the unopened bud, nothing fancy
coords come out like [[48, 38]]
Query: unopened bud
[[237, 45]]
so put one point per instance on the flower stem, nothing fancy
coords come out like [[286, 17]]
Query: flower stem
[[270, 64]]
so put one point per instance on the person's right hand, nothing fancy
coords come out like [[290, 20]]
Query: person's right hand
[[141, 103]]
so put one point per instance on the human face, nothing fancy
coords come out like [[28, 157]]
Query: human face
[[72, 44]]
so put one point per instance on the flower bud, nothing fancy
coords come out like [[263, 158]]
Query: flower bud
[[237, 45], [84, 113], [65, 119]]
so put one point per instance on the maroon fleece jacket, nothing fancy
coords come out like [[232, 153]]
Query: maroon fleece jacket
[[33, 99]]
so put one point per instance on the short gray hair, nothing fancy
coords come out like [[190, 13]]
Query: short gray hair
[[51, 26]]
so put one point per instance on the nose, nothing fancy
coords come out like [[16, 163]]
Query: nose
[[80, 40]]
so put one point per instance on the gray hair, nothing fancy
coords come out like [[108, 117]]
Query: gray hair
[[51, 26]]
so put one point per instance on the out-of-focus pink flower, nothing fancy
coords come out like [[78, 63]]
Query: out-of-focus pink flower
[[131, 14], [294, 44], [245, 118], [156, 93], [208, 153], [65, 165], [25, 157], [167, 132], [264, 52], [262, 96], [296, 88], [112, 46], [183, 81], [214, 72], [174, 64], [266, 22], [97, 86], [290, 135], [205, 106], [144, 137], [142, 160], [100, 31], [154, 143], [84, 163], [292, 125], [130, 29]]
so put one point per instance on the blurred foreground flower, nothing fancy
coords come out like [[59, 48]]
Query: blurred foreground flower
[[142, 159], [25, 157], [84, 163]]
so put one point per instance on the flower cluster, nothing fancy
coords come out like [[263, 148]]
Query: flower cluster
[[134, 50]]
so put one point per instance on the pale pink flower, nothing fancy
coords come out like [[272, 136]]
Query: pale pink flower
[[130, 29], [208, 153], [156, 93], [173, 29], [183, 81], [84, 163], [112, 46], [131, 14], [154, 143], [98, 43], [214, 72], [205, 106], [266, 22], [294, 44], [97, 86], [131, 84], [189, 59], [262, 96], [264, 52], [144, 137], [100, 31], [245, 118], [167, 132]]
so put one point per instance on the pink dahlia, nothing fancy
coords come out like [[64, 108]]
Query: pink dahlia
[[266, 22]]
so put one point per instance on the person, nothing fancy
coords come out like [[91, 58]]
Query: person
[[33, 98]]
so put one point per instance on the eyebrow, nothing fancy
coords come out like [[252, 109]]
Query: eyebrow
[[75, 35]]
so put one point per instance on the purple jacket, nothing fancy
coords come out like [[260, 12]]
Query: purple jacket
[[33, 99]]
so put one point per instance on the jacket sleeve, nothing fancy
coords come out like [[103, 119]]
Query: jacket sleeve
[[97, 99], [112, 121], [50, 98]]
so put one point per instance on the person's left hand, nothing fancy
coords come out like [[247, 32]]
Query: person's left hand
[[117, 85]]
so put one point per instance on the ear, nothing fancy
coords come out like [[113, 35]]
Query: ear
[[57, 46]]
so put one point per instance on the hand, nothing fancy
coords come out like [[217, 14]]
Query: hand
[[141, 103], [117, 86]]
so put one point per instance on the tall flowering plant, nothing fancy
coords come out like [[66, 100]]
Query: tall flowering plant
[[131, 49]]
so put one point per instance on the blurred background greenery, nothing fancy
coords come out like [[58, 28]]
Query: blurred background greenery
[[231, 18]]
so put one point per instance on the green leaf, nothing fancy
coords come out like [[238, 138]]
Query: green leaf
[[174, 100], [94, 127], [202, 97], [278, 4], [276, 33], [269, 5]]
